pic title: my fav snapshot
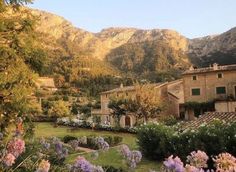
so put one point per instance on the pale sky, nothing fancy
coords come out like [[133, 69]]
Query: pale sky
[[192, 18]]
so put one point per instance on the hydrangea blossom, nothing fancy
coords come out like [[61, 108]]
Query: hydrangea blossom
[[44, 166], [225, 162], [102, 144], [16, 147], [82, 165], [45, 144], [9, 160], [198, 159], [74, 144], [174, 164], [132, 157]]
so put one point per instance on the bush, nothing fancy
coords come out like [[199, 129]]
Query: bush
[[154, 140], [159, 141], [68, 138], [169, 120]]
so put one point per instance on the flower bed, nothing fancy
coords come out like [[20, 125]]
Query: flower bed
[[75, 123]]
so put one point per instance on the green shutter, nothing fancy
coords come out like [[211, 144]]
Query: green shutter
[[220, 90], [196, 91]]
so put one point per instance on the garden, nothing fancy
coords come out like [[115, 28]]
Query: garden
[[155, 147]]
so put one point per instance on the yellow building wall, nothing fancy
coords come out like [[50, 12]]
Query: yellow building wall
[[208, 82]]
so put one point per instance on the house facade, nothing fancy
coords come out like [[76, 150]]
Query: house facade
[[216, 84], [130, 120]]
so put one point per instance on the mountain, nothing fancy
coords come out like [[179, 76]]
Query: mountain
[[210, 49], [156, 55]]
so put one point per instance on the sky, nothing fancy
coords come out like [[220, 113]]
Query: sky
[[191, 18]]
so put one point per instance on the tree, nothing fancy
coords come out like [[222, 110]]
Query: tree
[[118, 108], [147, 102], [17, 80], [59, 109]]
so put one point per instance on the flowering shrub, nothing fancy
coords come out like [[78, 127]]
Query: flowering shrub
[[16, 147], [198, 159], [66, 121], [44, 166], [132, 157], [9, 160], [157, 141], [102, 144], [174, 164], [82, 165], [224, 162]]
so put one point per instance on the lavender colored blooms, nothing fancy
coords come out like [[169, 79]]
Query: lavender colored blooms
[[102, 144], [174, 164], [132, 157], [82, 165]]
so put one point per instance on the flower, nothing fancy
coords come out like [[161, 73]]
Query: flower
[[16, 147], [189, 168], [82, 165], [198, 159], [9, 159], [174, 164], [132, 157], [225, 162], [44, 166]]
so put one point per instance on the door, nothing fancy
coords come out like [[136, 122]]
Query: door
[[127, 121]]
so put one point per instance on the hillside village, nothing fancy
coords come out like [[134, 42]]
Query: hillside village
[[118, 99], [201, 90]]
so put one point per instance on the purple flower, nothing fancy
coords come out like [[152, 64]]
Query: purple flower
[[174, 164]]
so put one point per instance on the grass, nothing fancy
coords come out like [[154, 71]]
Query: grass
[[111, 157]]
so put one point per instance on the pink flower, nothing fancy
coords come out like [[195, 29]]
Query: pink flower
[[198, 159], [225, 162], [9, 160], [44, 166], [16, 147]]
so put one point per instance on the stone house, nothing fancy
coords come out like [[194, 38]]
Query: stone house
[[130, 91], [46, 83], [215, 84]]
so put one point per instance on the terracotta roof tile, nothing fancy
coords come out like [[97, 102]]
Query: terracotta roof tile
[[208, 117]]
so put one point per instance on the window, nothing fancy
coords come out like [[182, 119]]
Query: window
[[220, 90], [196, 91], [127, 94], [194, 78], [219, 75], [106, 95]]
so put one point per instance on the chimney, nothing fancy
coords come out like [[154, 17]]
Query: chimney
[[121, 85], [191, 67], [215, 66]]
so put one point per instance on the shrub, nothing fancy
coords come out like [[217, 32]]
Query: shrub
[[169, 120], [68, 138], [154, 140], [159, 141]]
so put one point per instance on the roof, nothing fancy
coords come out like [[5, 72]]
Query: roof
[[211, 69], [46, 82], [208, 117], [128, 88]]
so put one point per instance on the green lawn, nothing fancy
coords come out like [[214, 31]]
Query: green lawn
[[111, 157]]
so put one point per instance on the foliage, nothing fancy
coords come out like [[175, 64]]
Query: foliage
[[147, 102], [168, 120], [118, 108], [17, 79], [159, 141], [155, 140], [59, 109]]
